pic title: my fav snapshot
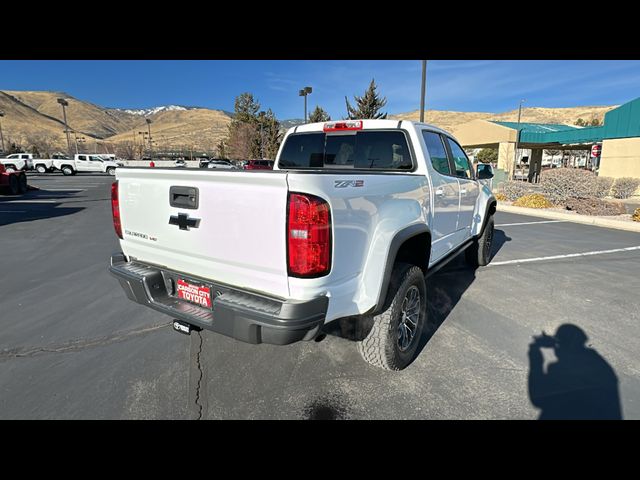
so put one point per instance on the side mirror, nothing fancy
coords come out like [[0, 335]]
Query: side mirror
[[485, 172]]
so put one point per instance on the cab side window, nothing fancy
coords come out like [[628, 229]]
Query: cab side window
[[82, 157], [437, 152], [460, 160]]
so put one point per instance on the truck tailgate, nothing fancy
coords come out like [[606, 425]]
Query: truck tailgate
[[240, 237]]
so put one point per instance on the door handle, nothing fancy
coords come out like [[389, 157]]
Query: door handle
[[440, 192]]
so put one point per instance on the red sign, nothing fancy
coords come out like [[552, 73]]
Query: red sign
[[194, 293], [596, 150]]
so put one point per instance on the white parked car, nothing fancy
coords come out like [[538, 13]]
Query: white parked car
[[83, 163], [346, 226], [221, 164]]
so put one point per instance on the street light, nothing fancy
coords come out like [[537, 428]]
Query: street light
[[64, 104], [422, 89], [303, 93], [1, 137], [515, 159], [148, 120]]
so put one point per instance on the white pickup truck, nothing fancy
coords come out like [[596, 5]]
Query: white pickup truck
[[86, 163], [17, 162], [346, 226]]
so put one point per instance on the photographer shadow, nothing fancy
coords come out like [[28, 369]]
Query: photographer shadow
[[579, 385]]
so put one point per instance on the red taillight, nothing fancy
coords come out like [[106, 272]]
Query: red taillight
[[346, 125], [308, 236], [115, 209]]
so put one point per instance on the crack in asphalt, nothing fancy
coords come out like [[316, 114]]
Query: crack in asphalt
[[76, 345], [199, 382]]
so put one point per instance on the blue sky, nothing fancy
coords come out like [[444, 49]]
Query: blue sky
[[474, 85]]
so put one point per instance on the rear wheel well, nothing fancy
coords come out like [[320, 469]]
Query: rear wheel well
[[415, 251]]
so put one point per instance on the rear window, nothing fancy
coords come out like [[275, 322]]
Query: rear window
[[366, 150]]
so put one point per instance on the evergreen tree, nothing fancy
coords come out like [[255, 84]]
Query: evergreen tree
[[222, 149], [319, 115], [270, 135], [243, 139], [246, 108], [368, 105]]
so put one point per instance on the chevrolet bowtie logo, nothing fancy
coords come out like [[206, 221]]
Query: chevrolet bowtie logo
[[183, 221]]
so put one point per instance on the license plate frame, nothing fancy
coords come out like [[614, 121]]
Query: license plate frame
[[194, 292]]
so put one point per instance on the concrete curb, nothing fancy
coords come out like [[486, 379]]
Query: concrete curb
[[571, 217]]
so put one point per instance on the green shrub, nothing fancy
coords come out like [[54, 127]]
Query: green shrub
[[559, 184], [594, 206], [513, 190], [603, 186], [625, 187], [534, 200], [636, 215]]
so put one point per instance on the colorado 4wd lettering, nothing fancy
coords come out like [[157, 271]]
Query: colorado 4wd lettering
[[144, 236], [348, 183]]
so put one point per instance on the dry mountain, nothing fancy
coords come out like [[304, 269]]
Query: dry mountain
[[31, 116], [450, 120]]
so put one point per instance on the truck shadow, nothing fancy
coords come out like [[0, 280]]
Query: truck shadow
[[444, 290], [446, 287], [17, 209]]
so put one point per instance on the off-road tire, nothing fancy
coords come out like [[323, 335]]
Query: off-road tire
[[479, 253], [111, 171], [380, 347], [67, 170], [41, 169], [9, 168]]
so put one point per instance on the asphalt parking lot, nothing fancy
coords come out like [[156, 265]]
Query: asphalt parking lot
[[73, 346]]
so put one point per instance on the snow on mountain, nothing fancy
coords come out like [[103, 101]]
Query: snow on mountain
[[151, 111]]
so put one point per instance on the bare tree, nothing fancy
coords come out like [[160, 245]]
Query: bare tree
[[44, 143], [126, 150], [242, 139]]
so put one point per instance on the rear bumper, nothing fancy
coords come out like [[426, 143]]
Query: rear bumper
[[245, 316]]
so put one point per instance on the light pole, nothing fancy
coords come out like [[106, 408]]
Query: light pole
[[64, 104], [515, 159], [148, 120], [303, 93], [1, 136], [422, 89]]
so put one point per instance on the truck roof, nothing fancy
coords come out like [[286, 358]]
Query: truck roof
[[366, 125]]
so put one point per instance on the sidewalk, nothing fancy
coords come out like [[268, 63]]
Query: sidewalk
[[620, 222]]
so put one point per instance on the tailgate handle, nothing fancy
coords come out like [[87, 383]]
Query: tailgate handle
[[183, 197]]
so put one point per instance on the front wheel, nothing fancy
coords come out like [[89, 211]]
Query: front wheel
[[67, 170], [479, 253], [394, 337], [41, 169], [111, 171]]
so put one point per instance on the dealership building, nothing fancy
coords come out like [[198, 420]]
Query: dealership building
[[619, 138]]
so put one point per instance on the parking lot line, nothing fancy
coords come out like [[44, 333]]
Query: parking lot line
[[20, 200], [66, 189], [559, 257], [529, 223]]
